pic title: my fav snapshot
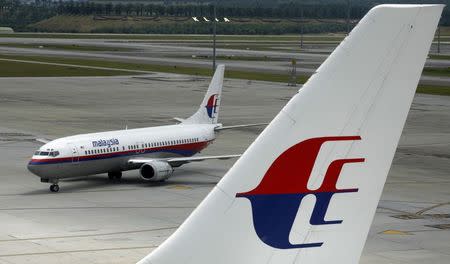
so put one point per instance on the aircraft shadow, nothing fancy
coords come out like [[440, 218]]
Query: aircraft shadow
[[100, 183]]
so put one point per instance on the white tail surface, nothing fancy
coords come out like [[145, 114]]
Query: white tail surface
[[307, 189], [208, 112]]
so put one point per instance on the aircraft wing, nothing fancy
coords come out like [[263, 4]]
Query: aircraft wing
[[43, 140], [182, 160]]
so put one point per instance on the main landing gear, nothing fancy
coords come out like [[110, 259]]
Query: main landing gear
[[54, 188], [115, 175]]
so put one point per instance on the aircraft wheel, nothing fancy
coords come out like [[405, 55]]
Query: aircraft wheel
[[54, 188], [116, 175]]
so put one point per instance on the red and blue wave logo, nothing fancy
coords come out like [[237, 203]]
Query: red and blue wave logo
[[211, 105], [276, 200]]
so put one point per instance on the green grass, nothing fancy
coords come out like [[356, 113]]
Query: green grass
[[23, 69], [443, 72], [247, 75], [436, 90], [64, 47], [174, 37], [439, 57]]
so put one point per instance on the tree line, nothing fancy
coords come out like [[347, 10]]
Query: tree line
[[19, 14]]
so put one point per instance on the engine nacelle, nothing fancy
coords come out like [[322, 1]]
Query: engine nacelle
[[156, 171]]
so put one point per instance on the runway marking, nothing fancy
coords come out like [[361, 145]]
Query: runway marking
[[179, 187], [395, 232], [77, 66], [90, 235], [74, 251]]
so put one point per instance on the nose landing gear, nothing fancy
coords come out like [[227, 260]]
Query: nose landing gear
[[54, 187]]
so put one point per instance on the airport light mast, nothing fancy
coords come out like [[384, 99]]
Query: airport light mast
[[214, 36], [215, 20]]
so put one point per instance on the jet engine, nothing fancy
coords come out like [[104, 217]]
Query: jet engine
[[156, 171]]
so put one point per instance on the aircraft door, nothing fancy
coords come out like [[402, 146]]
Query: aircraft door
[[75, 153]]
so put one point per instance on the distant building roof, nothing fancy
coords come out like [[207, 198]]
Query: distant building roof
[[6, 30]]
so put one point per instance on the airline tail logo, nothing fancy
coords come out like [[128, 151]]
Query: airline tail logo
[[211, 105], [276, 200]]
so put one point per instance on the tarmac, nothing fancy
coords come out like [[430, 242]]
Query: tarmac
[[93, 220]]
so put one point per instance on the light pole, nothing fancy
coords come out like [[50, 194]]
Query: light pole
[[301, 28], [215, 20], [214, 37], [348, 17]]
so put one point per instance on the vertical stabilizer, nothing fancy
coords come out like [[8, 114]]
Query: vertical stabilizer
[[307, 189], [208, 112]]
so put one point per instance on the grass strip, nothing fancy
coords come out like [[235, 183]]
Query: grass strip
[[443, 72], [439, 57], [436, 90], [318, 37], [64, 47]]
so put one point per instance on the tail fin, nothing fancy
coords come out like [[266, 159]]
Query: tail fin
[[208, 112], [307, 189]]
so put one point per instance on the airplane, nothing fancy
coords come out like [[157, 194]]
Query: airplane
[[155, 151], [306, 190], [226, 19], [195, 19], [206, 20]]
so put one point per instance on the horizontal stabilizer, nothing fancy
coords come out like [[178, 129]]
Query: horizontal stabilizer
[[179, 119], [219, 128]]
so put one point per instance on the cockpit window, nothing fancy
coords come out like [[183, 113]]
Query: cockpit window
[[47, 153]]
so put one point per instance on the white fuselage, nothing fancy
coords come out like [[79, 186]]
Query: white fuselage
[[94, 153]]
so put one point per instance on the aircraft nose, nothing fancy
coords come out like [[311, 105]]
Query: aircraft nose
[[33, 168]]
